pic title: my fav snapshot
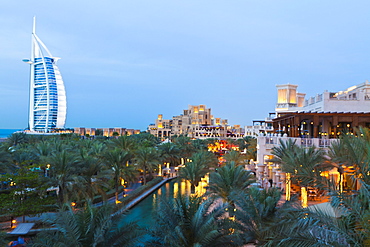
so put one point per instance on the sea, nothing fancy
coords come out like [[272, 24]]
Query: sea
[[4, 133]]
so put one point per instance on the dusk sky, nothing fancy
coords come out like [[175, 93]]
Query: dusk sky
[[124, 62]]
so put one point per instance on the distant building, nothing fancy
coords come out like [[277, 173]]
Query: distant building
[[195, 122], [48, 103], [259, 127], [107, 132]]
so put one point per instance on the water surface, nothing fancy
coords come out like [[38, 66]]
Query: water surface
[[143, 211]]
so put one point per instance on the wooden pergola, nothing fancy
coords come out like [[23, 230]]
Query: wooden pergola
[[319, 124]]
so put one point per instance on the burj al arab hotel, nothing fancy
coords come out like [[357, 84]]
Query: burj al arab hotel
[[48, 103]]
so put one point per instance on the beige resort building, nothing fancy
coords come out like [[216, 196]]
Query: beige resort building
[[317, 121], [196, 122], [107, 132]]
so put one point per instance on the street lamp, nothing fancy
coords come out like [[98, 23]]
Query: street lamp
[[46, 170], [13, 222]]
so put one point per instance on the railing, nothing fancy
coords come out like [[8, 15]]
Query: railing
[[323, 143], [304, 142]]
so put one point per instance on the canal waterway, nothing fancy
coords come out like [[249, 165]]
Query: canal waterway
[[143, 211]]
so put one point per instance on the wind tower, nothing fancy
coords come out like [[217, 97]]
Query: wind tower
[[48, 102]]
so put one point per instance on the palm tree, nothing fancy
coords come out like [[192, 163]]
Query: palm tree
[[17, 138], [63, 172], [193, 172], [197, 168], [189, 221], [169, 153], [236, 157], [97, 148], [3, 241], [91, 226], [147, 158], [5, 160], [185, 144], [200, 145], [95, 176], [318, 227], [304, 164], [351, 227], [352, 151], [145, 139], [261, 219], [126, 143], [228, 180], [206, 158], [249, 145], [23, 156], [118, 160], [42, 149]]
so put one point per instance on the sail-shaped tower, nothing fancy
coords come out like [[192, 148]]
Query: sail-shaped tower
[[48, 102]]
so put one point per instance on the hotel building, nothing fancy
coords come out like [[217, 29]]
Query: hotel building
[[107, 132], [48, 104], [316, 121], [196, 122]]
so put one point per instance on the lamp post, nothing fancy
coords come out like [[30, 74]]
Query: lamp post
[[47, 169], [13, 222]]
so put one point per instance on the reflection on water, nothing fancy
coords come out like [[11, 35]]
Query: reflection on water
[[175, 189], [142, 212]]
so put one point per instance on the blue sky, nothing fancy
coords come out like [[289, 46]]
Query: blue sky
[[123, 62]]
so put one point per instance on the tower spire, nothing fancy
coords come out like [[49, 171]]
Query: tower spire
[[48, 106], [34, 25]]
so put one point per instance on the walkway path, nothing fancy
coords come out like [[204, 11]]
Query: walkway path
[[128, 190], [142, 196]]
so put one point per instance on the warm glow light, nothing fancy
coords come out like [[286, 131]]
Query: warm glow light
[[13, 223], [287, 194], [183, 187], [304, 197], [117, 202], [324, 174], [175, 190], [159, 170], [73, 204]]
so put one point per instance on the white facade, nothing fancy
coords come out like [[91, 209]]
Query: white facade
[[353, 99], [48, 103], [265, 144], [351, 102]]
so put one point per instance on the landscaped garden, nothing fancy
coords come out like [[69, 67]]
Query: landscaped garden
[[68, 175]]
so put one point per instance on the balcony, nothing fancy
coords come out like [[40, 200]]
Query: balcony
[[271, 141]]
